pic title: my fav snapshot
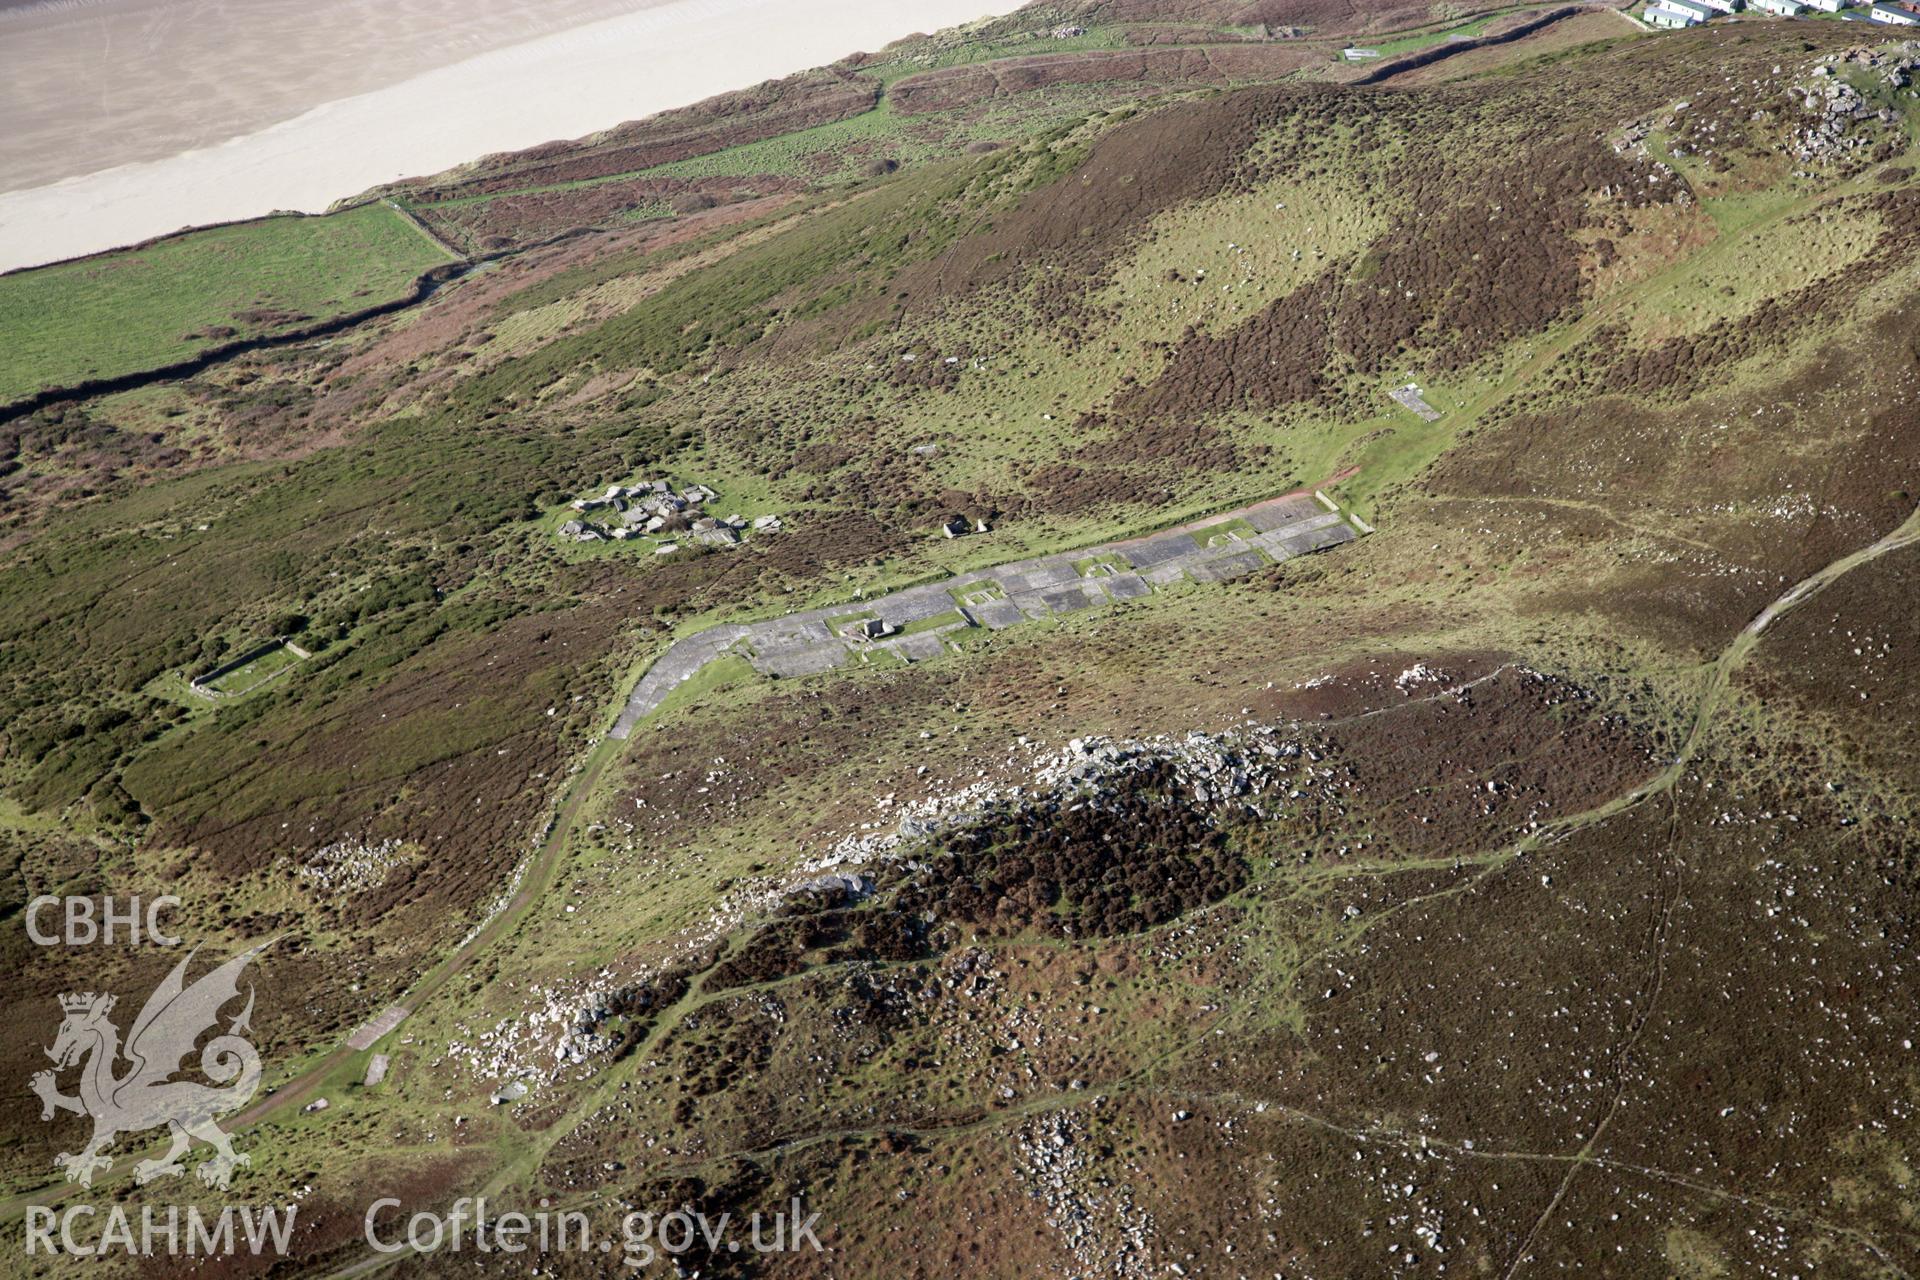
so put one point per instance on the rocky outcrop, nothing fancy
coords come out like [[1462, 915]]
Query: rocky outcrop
[[1831, 107]]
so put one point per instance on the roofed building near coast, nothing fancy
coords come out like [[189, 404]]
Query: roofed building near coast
[[1661, 15]]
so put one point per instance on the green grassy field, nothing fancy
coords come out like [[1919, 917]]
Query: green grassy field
[[123, 312], [1426, 39], [951, 618], [255, 673]]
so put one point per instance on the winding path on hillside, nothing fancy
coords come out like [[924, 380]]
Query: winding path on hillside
[[526, 1161], [1262, 533], [1249, 538], [540, 867]]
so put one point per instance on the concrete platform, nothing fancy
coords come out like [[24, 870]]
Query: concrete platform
[[368, 1033], [928, 644], [997, 614], [804, 660], [1272, 516], [1042, 587], [1070, 598], [1236, 565]]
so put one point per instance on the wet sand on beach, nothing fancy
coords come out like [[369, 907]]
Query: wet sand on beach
[[139, 117]]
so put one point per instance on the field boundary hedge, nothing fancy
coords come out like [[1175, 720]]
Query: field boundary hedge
[[419, 290]]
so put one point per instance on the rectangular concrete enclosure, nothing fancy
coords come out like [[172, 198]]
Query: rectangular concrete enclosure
[[820, 640]]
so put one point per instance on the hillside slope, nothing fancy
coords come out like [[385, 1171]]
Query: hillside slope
[[1525, 887]]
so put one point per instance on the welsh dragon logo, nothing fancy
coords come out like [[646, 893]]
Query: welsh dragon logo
[[131, 1089]]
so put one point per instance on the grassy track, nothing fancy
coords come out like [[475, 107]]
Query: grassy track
[[521, 1169], [123, 312]]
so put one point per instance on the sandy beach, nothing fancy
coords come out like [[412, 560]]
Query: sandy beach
[[89, 84], [293, 112]]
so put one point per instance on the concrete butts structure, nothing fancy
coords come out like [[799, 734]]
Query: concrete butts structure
[[206, 684], [919, 623]]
